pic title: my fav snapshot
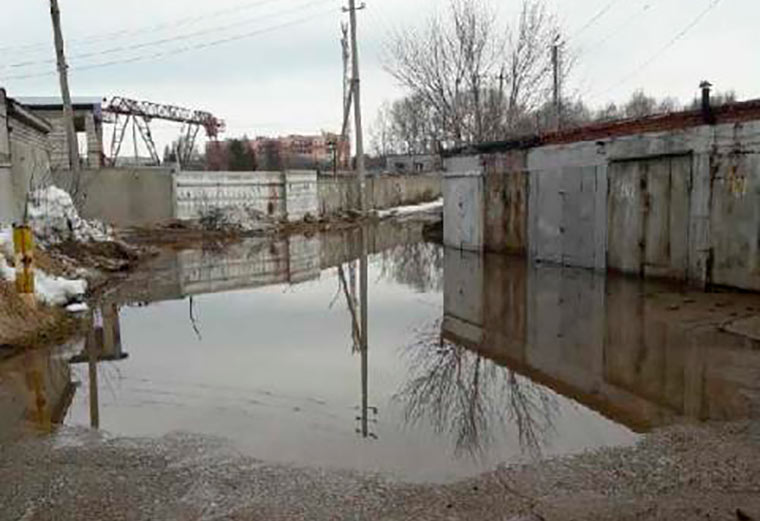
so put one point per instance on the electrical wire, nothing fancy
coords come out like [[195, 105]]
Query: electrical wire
[[98, 37], [604, 10], [164, 41], [678, 37], [618, 29], [181, 50]]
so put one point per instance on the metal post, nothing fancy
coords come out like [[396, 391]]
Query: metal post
[[23, 243]]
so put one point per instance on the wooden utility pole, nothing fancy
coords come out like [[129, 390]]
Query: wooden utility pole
[[557, 101], [68, 109]]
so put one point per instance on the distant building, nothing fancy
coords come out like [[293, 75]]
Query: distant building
[[287, 152], [305, 151], [414, 164], [88, 123], [24, 155]]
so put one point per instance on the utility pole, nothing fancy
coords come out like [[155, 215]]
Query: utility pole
[[68, 109], [557, 94], [361, 174], [356, 91], [346, 54]]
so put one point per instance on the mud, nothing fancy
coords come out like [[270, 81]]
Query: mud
[[25, 327]]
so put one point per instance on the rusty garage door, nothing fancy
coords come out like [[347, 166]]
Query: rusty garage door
[[648, 211]]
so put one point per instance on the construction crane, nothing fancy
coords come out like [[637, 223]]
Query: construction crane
[[121, 111]]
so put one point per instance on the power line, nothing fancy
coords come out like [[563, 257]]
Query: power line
[[595, 18], [679, 36], [164, 41], [618, 28], [154, 28], [182, 50]]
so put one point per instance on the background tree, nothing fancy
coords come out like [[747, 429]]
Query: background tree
[[241, 156]]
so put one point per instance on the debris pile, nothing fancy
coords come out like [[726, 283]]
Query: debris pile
[[235, 218]]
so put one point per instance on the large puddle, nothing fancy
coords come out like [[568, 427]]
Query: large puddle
[[472, 361]]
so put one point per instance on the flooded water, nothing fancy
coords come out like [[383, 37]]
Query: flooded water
[[472, 361]]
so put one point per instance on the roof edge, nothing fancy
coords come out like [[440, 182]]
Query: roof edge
[[24, 114], [728, 113]]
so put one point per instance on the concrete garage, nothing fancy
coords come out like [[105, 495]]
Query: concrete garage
[[675, 196]]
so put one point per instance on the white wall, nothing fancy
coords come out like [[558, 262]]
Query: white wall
[[277, 194]]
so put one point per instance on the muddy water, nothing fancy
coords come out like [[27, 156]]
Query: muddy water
[[472, 360]]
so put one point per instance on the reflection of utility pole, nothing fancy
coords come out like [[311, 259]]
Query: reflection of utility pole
[[103, 342], [92, 364], [68, 109], [359, 335], [557, 99], [364, 346]]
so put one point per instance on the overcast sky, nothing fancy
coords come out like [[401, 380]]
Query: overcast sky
[[283, 74]]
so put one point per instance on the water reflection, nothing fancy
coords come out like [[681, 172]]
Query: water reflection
[[466, 396], [36, 389], [291, 348], [645, 354], [417, 265]]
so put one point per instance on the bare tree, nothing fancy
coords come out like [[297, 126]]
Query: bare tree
[[640, 105], [477, 77], [529, 67], [380, 132], [447, 64]]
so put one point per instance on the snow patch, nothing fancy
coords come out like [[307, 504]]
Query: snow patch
[[54, 218], [80, 307], [55, 291], [411, 209]]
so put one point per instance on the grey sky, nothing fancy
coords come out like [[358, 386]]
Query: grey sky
[[287, 79]]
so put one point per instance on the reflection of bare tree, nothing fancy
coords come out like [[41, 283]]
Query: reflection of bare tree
[[418, 265], [472, 399]]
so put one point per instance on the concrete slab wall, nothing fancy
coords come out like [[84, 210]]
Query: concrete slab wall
[[464, 204], [506, 192], [338, 194], [196, 192], [124, 196], [682, 204], [291, 194], [301, 194]]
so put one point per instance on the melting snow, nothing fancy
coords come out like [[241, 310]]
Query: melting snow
[[54, 219], [55, 291], [412, 209]]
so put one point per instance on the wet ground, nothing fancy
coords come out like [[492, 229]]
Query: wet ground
[[473, 361]]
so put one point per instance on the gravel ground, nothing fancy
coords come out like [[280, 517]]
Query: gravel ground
[[710, 472]]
